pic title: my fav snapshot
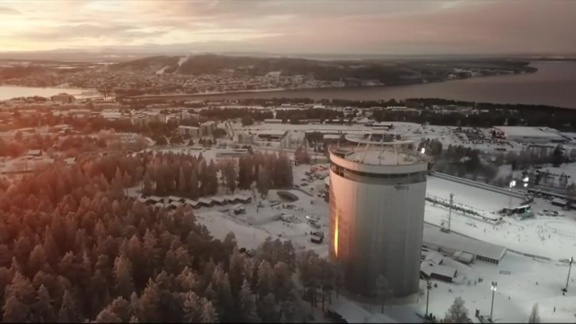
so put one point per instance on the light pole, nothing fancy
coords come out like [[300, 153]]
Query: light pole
[[493, 287], [512, 185], [569, 269], [428, 288]]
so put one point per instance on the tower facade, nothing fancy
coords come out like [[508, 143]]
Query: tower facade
[[377, 197]]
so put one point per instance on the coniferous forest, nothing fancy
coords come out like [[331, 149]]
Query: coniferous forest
[[74, 248], [192, 177]]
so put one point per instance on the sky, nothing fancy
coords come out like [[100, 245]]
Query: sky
[[292, 26]]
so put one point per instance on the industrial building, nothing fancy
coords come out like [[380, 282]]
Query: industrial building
[[272, 135], [523, 134], [377, 197]]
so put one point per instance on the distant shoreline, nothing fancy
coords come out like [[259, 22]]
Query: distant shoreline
[[37, 87], [280, 90]]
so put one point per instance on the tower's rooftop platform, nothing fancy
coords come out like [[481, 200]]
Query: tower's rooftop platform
[[384, 157], [380, 156]]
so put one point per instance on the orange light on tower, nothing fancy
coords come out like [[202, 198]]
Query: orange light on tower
[[336, 235]]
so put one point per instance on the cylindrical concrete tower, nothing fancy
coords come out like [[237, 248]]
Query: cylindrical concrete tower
[[377, 196]]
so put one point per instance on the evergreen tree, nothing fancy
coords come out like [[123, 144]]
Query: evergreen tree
[[182, 184], [209, 314], [247, 304], [68, 312], [19, 296], [107, 316], [15, 311], [282, 175], [193, 187], [191, 307], [534, 315], [149, 303], [43, 307], [264, 181], [37, 259], [457, 313], [558, 156], [230, 176], [212, 179], [265, 278], [245, 172], [301, 156], [123, 277]]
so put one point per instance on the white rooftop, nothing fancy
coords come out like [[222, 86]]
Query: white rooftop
[[271, 132], [434, 236], [430, 268], [519, 131]]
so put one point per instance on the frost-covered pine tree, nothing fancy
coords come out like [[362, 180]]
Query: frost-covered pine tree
[[457, 313], [534, 315]]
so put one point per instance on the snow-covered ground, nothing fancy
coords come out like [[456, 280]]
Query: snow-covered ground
[[262, 220], [411, 131], [524, 281], [528, 282]]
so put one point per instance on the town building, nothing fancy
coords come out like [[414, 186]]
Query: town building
[[190, 131], [63, 98], [207, 128]]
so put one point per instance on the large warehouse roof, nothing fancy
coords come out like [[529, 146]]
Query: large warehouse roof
[[433, 235], [271, 132], [523, 131]]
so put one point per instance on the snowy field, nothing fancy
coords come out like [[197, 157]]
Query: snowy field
[[551, 237]]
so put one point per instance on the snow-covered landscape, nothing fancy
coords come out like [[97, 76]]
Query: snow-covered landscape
[[533, 270]]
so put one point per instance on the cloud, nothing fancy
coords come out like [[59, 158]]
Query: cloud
[[9, 11], [303, 26], [91, 30]]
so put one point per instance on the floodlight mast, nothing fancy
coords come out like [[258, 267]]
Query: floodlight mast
[[570, 261], [493, 287], [511, 185]]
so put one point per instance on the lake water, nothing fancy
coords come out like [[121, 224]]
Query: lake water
[[554, 84]]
